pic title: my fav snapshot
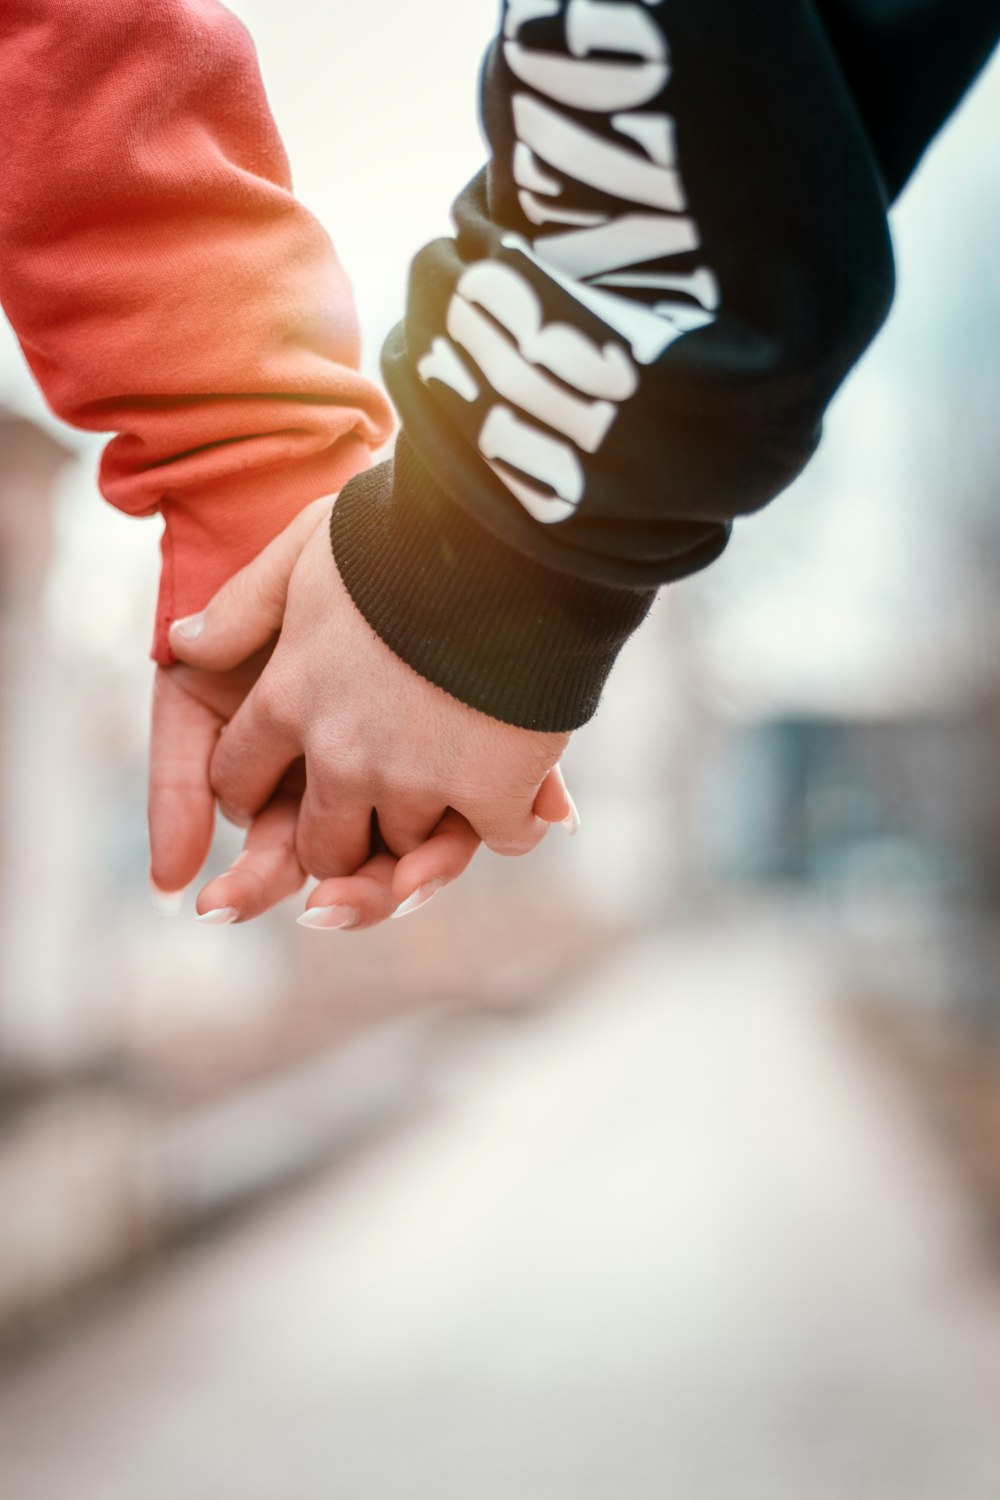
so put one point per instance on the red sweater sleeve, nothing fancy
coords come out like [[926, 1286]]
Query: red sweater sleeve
[[166, 286]]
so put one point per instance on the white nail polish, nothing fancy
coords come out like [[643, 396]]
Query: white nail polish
[[328, 918], [219, 916], [190, 628], [167, 903], [571, 822], [420, 897]]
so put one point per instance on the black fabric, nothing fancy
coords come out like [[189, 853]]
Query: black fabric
[[546, 486], [907, 65], [536, 646]]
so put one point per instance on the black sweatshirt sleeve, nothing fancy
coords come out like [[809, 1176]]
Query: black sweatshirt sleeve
[[677, 252]]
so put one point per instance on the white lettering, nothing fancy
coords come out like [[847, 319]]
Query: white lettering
[[505, 439], [514, 378], [700, 284], [548, 370], [565, 351], [591, 159], [625, 241], [598, 86], [647, 335], [609, 26], [528, 174], [656, 134], [442, 363], [538, 212], [683, 316]]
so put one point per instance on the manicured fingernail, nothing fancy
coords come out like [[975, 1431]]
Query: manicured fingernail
[[190, 628], [571, 822], [167, 903], [219, 916], [420, 897], [329, 917]]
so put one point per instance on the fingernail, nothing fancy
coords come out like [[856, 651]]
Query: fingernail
[[219, 916], [329, 917], [571, 822], [167, 903], [420, 897], [190, 628]]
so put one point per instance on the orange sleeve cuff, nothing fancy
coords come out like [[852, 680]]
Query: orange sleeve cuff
[[208, 537], [165, 284]]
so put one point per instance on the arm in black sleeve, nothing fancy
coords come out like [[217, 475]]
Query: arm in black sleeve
[[677, 252]]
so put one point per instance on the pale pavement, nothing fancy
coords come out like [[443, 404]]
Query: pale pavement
[[672, 1239]]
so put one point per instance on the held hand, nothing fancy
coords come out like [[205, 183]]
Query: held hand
[[190, 709], [375, 735]]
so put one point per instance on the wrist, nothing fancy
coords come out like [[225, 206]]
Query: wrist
[[500, 631]]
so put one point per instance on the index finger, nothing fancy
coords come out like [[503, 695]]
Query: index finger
[[181, 806]]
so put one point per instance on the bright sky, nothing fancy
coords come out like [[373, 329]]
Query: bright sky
[[376, 103], [851, 590]]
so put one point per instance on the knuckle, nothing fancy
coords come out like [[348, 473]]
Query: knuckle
[[341, 764], [275, 701], [509, 840], [509, 848], [245, 590]]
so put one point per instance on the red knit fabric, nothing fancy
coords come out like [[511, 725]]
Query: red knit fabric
[[166, 286]]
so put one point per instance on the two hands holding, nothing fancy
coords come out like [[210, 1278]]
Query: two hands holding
[[287, 710]]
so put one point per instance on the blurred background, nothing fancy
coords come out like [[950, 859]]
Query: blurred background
[[664, 1163]]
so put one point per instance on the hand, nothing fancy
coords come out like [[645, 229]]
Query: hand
[[381, 887], [375, 735], [190, 709]]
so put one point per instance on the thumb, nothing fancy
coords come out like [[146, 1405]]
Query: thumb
[[553, 803], [247, 611]]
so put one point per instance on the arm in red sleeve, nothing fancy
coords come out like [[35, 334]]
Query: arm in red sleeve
[[166, 286]]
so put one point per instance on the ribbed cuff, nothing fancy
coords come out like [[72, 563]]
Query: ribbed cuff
[[496, 629]]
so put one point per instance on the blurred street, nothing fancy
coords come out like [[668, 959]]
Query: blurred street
[[497, 1203], [673, 1235]]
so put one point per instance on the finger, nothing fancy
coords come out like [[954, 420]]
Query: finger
[[386, 887], [438, 861], [352, 902], [253, 754], [248, 610], [553, 803], [504, 827], [265, 873], [404, 826], [181, 806], [334, 835]]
